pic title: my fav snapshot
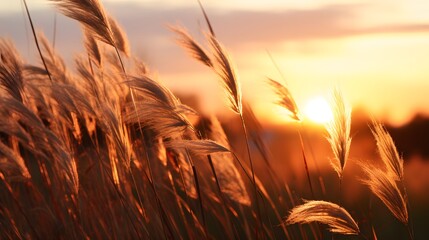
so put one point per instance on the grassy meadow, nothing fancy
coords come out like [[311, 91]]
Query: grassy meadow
[[102, 149]]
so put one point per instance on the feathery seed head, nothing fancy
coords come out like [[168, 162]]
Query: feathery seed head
[[336, 217], [285, 98], [339, 132], [387, 150]]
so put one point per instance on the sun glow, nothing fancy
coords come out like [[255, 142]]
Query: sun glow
[[318, 110]]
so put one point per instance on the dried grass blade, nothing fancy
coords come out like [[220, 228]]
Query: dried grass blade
[[188, 179], [228, 175]]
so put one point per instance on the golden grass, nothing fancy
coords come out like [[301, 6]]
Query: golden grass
[[336, 217], [107, 152], [339, 132]]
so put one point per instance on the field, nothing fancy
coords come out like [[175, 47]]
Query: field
[[102, 149]]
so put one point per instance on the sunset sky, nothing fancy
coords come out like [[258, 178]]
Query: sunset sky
[[376, 52]]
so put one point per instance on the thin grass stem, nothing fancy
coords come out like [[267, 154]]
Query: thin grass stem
[[37, 41], [258, 211]]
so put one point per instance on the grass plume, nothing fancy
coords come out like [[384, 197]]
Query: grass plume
[[91, 14], [222, 66], [227, 74], [92, 47], [339, 132], [384, 187], [336, 217], [387, 151], [388, 185], [11, 70], [194, 49], [197, 146], [285, 98]]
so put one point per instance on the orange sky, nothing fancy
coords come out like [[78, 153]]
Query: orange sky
[[377, 53]]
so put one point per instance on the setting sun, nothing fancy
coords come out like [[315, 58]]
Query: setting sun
[[318, 110]]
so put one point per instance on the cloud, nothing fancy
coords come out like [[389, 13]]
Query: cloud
[[151, 40], [237, 27]]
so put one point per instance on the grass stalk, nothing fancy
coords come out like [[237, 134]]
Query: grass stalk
[[222, 196], [306, 165], [179, 204], [36, 40], [409, 226], [160, 209], [200, 201], [20, 209], [258, 210], [321, 234]]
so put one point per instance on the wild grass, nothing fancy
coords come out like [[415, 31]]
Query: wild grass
[[339, 133], [336, 217], [106, 151]]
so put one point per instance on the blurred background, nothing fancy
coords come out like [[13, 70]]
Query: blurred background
[[375, 52]]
